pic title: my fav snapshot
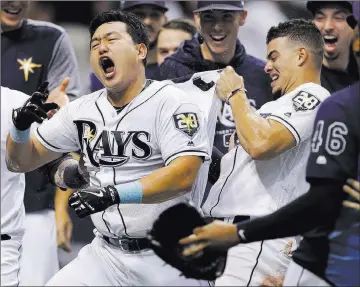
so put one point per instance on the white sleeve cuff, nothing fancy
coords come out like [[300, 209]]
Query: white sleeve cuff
[[288, 126], [187, 153]]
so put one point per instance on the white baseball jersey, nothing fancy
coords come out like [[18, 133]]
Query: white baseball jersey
[[201, 88], [161, 124], [12, 184], [257, 187]]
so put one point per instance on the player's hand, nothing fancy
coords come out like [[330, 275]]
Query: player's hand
[[353, 189], [34, 109], [217, 235], [59, 96], [229, 81], [93, 199], [63, 229]]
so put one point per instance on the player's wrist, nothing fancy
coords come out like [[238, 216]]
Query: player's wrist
[[130, 193], [19, 136], [235, 92]]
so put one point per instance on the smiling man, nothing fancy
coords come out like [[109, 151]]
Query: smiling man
[[340, 69], [266, 168]]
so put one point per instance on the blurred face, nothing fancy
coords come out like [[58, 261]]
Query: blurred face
[[12, 13], [168, 42], [152, 17], [331, 21], [220, 28], [282, 64], [114, 57]]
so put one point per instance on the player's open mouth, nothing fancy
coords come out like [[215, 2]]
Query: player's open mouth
[[217, 38], [12, 11], [330, 41], [274, 77], [108, 67]]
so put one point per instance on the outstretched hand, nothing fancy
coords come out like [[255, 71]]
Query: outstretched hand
[[216, 235], [59, 96], [34, 109]]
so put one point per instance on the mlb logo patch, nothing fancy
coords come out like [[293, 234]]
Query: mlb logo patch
[[187, 123], [305, 101]]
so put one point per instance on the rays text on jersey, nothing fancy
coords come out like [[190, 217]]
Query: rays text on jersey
[[112, 148]]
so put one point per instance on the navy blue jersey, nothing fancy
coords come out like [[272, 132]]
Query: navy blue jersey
[[335, 155]]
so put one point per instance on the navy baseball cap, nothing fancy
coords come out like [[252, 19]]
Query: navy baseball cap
[[126, 5], [313, 6], [354, 19], [219, 5]]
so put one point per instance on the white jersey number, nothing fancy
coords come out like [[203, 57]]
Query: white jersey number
[[335, 141]]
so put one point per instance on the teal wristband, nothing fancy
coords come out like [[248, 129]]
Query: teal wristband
[[131, 192], [19, 136]]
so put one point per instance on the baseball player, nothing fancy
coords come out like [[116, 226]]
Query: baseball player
[[267, 168], [12, 194], [143, 143]]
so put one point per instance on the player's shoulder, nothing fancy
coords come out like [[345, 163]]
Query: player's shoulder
[[84, 102], [347, 97], [312, 89], [44, 28], [341, 104], [13, 97]]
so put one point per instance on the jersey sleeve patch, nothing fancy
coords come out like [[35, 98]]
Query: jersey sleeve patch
[[305, 101], [187, 122]]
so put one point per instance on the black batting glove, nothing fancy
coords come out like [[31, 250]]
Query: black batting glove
[[34, 109], [93, 199]]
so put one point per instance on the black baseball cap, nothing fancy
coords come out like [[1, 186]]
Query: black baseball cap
[[219, 5], [313, 6], [126, 5], [354, 19]]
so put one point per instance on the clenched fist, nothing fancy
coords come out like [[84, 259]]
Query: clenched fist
[[228, 82]]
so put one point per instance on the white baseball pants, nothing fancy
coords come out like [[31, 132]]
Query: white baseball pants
[[102, 264], [10, 256], [257, 264], [39, 260]]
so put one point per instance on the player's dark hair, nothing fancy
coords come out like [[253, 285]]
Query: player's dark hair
[[135, 27], [302, 32], [185, 25]]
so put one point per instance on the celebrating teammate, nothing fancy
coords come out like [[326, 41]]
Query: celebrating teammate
[[267, 169], [322, 259], [143, 143]]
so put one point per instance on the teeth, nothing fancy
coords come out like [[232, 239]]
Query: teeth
[[14, 11], [330, 37], [218, 37], [274, 77]]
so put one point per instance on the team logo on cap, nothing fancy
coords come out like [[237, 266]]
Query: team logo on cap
[[187, 123]]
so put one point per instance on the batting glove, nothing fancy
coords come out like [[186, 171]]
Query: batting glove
[[34, 109], [93, 199]]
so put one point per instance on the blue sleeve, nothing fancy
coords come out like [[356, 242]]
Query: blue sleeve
[[171, 69], [333, 145]]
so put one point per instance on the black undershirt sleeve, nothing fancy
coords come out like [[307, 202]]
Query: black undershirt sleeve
[[321, 204], [214, 170]]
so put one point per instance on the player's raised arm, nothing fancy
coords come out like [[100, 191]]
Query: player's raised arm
[[261, 138], [24, 152]]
